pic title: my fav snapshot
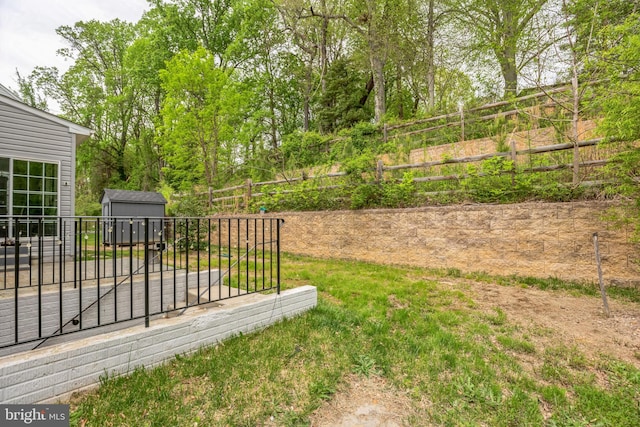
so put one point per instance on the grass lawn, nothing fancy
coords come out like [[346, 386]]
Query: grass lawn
[[458, 364]]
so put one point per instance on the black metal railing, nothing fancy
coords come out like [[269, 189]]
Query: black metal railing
[[60, 275]]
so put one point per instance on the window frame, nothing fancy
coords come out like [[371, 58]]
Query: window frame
[[32, 201]]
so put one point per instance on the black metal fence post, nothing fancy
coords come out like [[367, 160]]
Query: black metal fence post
[[16, 279], [147, 262], [40, 273], [96, 243], [79, 236], [186, 260], [60, 267], [130, 272], [278, 254], [74, 241]]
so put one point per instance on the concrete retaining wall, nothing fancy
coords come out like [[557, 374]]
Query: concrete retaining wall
[[529, 239], [48, 374]]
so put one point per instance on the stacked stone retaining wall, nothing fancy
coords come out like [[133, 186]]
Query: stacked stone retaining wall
[[531, 239]]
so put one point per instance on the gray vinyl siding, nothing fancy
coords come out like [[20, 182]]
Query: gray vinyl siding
[[29, 137], [154, 212]]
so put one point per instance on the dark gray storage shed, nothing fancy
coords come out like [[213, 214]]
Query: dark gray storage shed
[[123, 212]]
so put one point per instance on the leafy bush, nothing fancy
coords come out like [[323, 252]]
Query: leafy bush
[[87, 205], [625, 168], [187, 236], [363, 135], [301, 149], [400, 195], [188, 205], [363, 138], [360, 168], [366, 196], [388, 194], [496, 184], [305, 196]]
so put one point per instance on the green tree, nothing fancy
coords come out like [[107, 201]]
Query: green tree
[[426, 64], [189, 24], [244, 40], [201, 113], [98, 92], [621, 108], [501, 27], [341, 105], [309, 43], [228, 29], [593, 20], [373, 23], [29, 92]]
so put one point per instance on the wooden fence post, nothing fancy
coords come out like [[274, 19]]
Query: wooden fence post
[[514, 158], [384, 133], [603, 293], [380, 171], [247, 195], [210, 197], [461, 121], [576, 163]]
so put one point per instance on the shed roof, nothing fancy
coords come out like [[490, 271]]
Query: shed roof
[[128, 196]]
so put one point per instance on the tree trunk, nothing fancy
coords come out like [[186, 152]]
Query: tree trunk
[[377, 68], [207, 162], [306, 108], [323, 58], [120, 168], [399, 89], [509, 72], [211, 160], [431, 69], [323, 48], [274, 123], [574, 122], [507, 54], [367, 90], [214, 154]]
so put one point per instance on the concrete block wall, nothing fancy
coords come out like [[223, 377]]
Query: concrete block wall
[[50, 374], [529, 239]]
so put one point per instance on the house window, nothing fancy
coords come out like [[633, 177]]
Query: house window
[[29, 188]]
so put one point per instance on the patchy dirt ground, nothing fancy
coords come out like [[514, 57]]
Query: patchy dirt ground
[[364, 402], [572, 320], [577, 320]]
